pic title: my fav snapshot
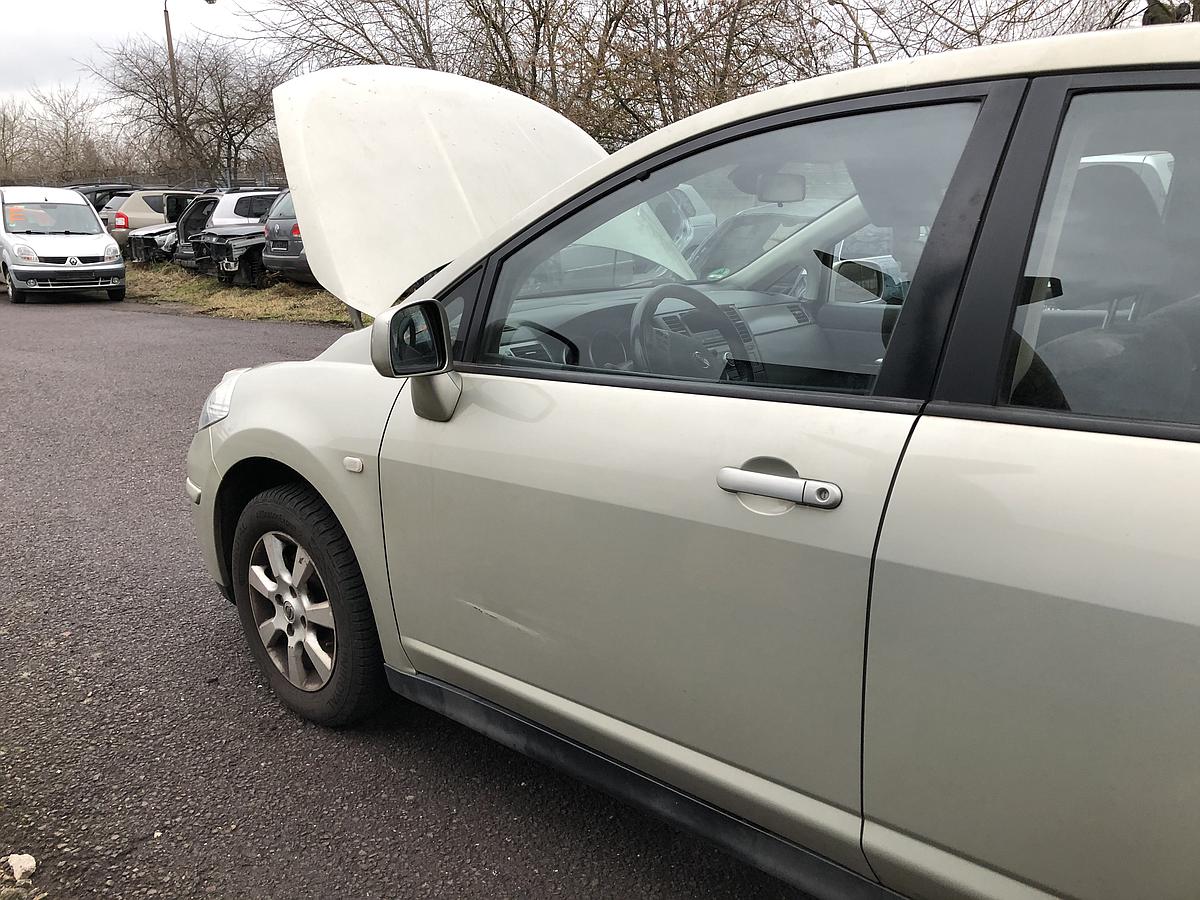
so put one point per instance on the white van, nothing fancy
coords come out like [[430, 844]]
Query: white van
[[51, 239]]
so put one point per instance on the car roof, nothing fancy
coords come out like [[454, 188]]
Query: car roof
[[238, 195], [24, 194], [99, 186], [141, 191]]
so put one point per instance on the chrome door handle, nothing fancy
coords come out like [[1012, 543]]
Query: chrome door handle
[[804, 491]]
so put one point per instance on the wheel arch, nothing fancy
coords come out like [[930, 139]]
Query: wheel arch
[[245, 480], [246, 477]]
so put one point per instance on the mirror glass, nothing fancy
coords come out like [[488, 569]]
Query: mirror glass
[[417, 344], [868, 278]]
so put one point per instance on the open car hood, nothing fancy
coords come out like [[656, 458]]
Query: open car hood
[[395, 171]]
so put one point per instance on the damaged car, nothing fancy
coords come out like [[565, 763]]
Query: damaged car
[[238, 206], [154, 243], [233, 253]]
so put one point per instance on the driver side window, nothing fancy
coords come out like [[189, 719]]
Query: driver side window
[[729, 265]]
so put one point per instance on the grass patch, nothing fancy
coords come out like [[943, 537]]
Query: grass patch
[[167, 284]]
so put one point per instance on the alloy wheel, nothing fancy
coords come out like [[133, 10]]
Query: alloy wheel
[[291, 611]]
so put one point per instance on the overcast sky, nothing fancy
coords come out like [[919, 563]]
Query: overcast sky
[[47, 41]]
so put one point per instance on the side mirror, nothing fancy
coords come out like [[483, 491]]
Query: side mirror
[[412, 341], [868, 278]]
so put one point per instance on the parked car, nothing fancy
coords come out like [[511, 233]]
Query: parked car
[[884, 598], [749, 233], [686, 216], [284, 253], [140, 209], [242, 206], [100, 193], [52, 240]]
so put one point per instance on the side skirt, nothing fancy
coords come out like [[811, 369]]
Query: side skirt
[[744, 840]]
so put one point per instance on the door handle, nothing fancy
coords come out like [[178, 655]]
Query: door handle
[[804, 491]]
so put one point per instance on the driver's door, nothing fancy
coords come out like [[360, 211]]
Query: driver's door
[[620, 545]]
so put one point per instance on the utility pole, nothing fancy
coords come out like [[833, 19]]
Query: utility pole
[[179, 126]]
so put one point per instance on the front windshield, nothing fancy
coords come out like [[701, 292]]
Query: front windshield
[[50, 218], [696, 223]]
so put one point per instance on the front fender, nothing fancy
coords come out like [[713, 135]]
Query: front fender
[[314, 417]]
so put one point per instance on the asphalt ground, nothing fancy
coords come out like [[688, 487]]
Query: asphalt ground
[[141, 755]]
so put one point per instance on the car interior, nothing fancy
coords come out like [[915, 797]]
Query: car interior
[[837, 212], [1109, 323], [195, 218]]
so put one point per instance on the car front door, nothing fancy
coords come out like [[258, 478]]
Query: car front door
[[649, 522], [1033, 671], [175, 204]]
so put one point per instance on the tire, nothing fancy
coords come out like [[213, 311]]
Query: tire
[[116, 294], [354, 684], [15, 294], [256, 274]]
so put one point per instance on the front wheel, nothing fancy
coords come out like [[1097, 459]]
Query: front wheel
[[304, 607], [15, 294], [116, 294]]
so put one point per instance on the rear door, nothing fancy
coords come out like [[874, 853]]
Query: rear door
[[622, 548], [1033, 673]]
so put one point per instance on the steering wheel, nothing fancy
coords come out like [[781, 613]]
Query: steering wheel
[[664, 352]]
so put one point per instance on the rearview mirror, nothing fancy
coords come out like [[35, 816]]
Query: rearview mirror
[[781, 187], [412, 340]]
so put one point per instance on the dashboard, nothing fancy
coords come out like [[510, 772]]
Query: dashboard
[[593, 331]]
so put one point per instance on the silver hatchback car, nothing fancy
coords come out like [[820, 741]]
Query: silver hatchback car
[[872, 557]]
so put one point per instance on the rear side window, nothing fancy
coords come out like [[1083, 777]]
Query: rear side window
[[116, 201], [252, 207], [1108, 321], [154, 201], [284, 209]]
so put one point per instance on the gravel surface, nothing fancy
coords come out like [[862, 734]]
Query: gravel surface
[[142, 756]]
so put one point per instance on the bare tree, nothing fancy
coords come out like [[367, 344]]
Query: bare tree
[[64, 130], [15, 135], [226, 114]]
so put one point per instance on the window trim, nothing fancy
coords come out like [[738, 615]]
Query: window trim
[[973, 372], [470, 303], [915, 349], [1065, 421]]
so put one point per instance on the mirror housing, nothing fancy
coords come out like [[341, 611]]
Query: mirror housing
[[412, 340]]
